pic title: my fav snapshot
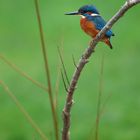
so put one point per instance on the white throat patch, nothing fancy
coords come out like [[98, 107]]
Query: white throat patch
[[94, 15], [82, 16]]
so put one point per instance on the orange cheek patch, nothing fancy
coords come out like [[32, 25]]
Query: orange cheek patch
[[89, 13]]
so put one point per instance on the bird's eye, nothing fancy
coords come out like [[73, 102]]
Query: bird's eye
[[82, 11]]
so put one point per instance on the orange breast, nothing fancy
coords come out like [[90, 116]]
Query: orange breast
[[88, 27]]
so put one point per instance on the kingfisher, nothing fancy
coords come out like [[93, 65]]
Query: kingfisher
[[92, 23]]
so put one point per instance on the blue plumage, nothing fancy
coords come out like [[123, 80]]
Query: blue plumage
[[91, 22], [89, 8], [99, 23]]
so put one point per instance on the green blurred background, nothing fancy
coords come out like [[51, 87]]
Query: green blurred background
[[20, 43]]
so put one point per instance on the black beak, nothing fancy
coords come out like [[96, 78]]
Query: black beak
[[72, 13]]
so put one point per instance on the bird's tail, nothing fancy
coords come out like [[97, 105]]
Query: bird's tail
[[107, 41]]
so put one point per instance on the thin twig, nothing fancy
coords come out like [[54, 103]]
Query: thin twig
[[22, 73], [63, 65], [57, 86], [47, 69], [86, 55], [99, 100], [56, 103], [74, 61], [101, 113], [104, 104], [65, 86], [22, 109]]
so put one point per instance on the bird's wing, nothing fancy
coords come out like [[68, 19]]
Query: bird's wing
[[99, 23]]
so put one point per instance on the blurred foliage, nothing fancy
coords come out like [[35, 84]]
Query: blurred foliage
[[20, 43]]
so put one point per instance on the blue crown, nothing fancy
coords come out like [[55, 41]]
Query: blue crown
[[88, 8]]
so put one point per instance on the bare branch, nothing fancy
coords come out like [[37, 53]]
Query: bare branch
[[86, 55], [43, 47]]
